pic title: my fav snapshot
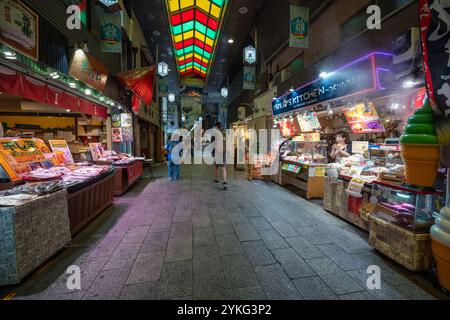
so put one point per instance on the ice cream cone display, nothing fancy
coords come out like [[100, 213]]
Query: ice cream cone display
[[420, 148], [440, 237]]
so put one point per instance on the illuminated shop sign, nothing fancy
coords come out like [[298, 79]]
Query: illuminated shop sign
[[357, 77]]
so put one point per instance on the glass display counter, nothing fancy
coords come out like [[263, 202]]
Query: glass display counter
[[303, 165]]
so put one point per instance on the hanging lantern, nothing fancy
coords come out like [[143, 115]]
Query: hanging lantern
[[171, 97], [249, 55], [224, 92], [163, 69]]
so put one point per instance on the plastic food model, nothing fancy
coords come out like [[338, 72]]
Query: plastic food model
[[420, 147], [440, 243]]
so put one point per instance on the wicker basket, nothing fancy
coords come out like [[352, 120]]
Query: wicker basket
[[330, 194], [412, 251]]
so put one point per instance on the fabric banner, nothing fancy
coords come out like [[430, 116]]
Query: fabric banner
[[299, 27], [34, 90], [110, 30], [249, 78], [435, 39]]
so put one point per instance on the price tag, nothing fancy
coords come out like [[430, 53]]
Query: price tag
[[355, 187]]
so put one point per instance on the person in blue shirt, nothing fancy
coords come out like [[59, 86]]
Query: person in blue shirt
[[174, 169]]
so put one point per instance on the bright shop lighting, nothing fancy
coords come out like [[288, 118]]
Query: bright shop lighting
[[324, 75], [408, 84], [230, 41], [10, 55], [72, 84], [291, 89], [54, 75], [88, 92], [68, 110], [102, 98]]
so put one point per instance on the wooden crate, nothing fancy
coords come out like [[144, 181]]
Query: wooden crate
[[413, 251], [342, 208]]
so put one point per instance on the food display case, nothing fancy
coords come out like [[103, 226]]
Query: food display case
[[410, 209], [303, 165], [400, 223], [389, 161]]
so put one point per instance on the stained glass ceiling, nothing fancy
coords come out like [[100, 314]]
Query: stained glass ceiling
[[195, 26]]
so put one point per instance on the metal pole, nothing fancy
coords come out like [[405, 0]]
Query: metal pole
[[448, 187]]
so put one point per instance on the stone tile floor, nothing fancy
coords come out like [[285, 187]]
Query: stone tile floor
[[190, 239]]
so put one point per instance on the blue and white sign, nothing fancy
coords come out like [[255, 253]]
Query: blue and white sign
[[354, 78]]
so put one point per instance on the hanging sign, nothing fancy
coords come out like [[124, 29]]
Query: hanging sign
[[309, 122], [249, 78], [19, 156], [299, 27], [435, 37], [127, 127], [19, 28], [363, 118], [250, 55], [87, 69], [61, 151], [110, 30]]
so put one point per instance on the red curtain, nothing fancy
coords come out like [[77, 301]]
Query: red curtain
[[55, 98], [22, 86], [10, 84], [34, 90], [71, 102]]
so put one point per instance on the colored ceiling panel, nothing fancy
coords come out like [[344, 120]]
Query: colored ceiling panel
[[195, 26]]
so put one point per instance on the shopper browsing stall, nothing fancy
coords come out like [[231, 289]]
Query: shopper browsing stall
[[342, 148]]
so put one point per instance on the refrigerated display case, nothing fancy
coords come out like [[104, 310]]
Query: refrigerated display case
[[303, 165]]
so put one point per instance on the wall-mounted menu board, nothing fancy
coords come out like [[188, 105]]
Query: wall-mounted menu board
[[19, 156]]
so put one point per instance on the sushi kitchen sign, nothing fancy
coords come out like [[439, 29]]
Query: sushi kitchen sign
[[19, 28], [359, 76]]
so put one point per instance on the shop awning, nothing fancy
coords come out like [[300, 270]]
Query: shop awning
[[31, 89], [140, 82]]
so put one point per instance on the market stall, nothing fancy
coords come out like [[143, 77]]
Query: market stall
[[28, 161], [128, 169], [377, 148]]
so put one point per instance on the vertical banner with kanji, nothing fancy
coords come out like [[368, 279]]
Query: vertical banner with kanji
[[249, 78], [299, 27], [435, 39]]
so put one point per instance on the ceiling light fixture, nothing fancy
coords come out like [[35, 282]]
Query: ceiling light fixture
[[243, 10], [68, 110], [230, 41], [292, 89], [88, 92], [72, 84]]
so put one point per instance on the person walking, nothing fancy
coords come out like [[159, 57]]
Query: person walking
[[221, 154], [173, 169]]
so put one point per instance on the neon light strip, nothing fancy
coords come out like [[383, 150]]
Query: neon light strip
[[368, 56], [379, 70]]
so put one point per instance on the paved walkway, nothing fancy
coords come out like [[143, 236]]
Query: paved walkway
[[192, 240]]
